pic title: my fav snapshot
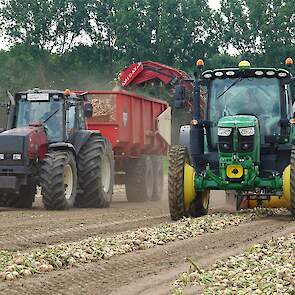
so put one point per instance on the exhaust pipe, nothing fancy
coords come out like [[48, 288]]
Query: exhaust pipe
[[11, 110]]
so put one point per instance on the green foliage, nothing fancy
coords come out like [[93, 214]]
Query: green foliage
[[53, 25], [260, 30], [83, 44]]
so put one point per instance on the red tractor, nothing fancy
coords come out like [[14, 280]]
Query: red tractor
[[46, 144]]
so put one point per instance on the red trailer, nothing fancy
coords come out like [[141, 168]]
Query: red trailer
[[139, 129]]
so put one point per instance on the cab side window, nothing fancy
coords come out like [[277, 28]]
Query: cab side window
[[81, 119]]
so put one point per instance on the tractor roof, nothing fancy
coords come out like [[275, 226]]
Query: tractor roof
[[247, 72], [39, 95], [37, 90]]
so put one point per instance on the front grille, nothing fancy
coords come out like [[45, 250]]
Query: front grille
[[8, 160], [246, 143], [225, 143]]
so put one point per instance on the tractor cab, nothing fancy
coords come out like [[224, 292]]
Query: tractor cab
[[61, 113], [249, 111]]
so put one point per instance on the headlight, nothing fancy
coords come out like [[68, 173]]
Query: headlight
[[224, 131], [2, 156], [16, 156], [247, 131]]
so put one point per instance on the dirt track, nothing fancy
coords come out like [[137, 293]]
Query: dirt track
[[142, 272]]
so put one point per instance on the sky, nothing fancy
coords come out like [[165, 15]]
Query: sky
[[214, 4]]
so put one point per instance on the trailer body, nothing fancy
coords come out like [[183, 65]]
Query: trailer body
[[135, 125]]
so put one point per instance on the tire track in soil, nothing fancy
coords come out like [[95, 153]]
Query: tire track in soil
[[24, 229], [27, 241], [151, 271]]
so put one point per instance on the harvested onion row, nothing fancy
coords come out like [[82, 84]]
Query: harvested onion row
[[64, 255], [267, 268]]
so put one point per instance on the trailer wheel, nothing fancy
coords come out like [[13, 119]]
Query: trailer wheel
[[140, 180], [158, 178], [58, 180], [292, 182], [95, 173]]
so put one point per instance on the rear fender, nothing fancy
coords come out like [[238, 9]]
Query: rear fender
[[81, 137], [62, 146]]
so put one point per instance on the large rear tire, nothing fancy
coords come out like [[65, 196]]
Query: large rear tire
[[158, 178], [199, 205], [140, 180], [58, 180], [95, 173]]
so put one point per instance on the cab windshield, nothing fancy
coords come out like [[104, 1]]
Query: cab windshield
[[49, 112], [248, 96]]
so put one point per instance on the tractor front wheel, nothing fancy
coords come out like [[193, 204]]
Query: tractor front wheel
[[183, 200], [24, 199], [58, 180]]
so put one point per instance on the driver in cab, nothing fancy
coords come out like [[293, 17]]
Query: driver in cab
[[53, 122]]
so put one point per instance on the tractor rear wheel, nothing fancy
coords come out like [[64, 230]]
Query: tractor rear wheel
[[158, 178], [292, 182], [95, 173], [140, 180], [58, 180]]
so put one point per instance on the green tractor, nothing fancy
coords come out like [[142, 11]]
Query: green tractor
[[244, 142]]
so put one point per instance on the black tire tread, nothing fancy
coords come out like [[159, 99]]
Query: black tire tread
[[177, 158], [89, 173], [51, 180], [24, 199]]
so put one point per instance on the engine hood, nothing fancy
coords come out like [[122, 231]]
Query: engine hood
[[29, 141], [238, 121]]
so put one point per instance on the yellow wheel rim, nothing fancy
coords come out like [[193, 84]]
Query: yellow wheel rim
[[189, 192], [278, 202]]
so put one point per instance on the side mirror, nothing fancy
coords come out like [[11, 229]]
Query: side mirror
[[88, 110], [179, 97]]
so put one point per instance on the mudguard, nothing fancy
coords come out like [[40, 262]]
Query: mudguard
[[81, 137]]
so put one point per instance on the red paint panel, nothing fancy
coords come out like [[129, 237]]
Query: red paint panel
[[133, 130]]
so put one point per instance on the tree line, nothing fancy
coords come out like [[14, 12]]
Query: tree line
[[79, 43]]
